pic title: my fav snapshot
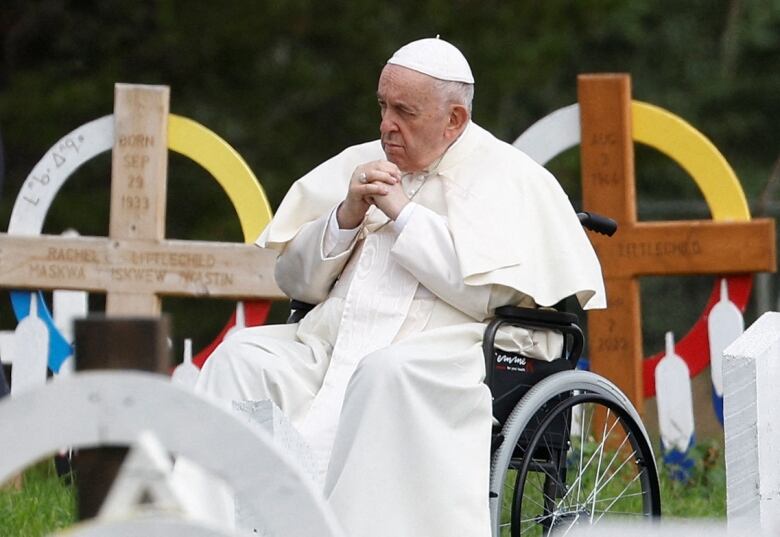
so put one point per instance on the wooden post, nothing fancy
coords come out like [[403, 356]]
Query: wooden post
[[139, 168], [608, 165], [113, 343], [104, 342], [638, 249]]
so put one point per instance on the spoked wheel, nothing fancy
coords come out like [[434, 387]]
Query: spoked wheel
[[574, 453]]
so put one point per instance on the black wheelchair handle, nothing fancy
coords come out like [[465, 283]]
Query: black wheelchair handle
[[598, 223]]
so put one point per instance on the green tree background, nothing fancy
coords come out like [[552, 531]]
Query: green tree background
[[290, 83]]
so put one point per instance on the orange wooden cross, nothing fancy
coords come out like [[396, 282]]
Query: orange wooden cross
[[646, 248]]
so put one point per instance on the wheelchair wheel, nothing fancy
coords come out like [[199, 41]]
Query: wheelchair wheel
[[574, 452]]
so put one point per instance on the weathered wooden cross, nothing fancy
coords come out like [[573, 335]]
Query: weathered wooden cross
[[646, 248], [135, 265]]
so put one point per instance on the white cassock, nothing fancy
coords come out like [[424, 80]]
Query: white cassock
[[384, 377]]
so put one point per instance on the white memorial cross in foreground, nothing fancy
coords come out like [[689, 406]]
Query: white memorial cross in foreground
[[117, 408]]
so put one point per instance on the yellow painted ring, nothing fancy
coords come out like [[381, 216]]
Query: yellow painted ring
[[202, 145], [680, 141]]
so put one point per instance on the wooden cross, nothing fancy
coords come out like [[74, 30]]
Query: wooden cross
[[647, 248], [133, 266], [136, 264]]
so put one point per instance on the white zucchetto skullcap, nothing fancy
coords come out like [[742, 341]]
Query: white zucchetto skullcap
[[434, 57]]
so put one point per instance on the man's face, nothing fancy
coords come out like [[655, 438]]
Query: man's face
[[414, 118]]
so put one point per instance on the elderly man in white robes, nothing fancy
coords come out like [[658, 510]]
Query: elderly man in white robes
[[407, 244]]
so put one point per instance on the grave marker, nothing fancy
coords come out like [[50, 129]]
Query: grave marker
[[84, 143], [673, 137], [643, 248], [136, 264]]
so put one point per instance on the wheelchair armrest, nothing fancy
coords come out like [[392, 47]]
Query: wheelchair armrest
[[561, 321], [546, 317]]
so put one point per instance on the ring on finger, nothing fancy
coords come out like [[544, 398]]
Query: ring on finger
[[363, 178]]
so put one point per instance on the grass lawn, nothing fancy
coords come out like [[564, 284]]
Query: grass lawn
[[43, 504], [46, 502], [704, 495]]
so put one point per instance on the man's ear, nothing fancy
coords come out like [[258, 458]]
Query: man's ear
[[458, 118]]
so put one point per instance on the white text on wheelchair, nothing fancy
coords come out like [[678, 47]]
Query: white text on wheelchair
[[511, 362]]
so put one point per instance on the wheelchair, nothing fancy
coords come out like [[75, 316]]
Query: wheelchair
[[568, 448]]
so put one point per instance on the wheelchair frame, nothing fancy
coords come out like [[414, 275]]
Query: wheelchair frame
[[533, 448]]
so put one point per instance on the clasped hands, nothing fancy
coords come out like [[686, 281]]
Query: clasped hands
[[374, 183]]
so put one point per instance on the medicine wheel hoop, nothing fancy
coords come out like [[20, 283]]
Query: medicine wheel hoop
[[574, 453], [680, 141], [185, 136], [116, 408]]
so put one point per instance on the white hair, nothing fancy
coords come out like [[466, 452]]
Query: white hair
[[456, 92]]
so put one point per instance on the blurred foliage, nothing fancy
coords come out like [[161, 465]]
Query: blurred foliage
[[290, 83]]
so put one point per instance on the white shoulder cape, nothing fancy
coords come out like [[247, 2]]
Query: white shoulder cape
[[511, 222]]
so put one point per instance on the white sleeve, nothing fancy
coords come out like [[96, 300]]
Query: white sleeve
[[337, 240], [403, 217], [302, 271], [425, 248]]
